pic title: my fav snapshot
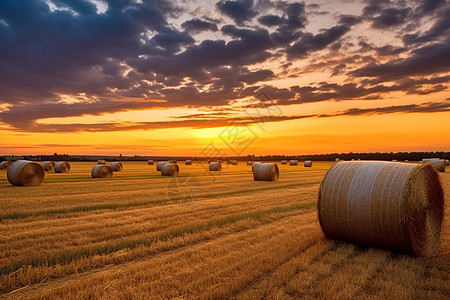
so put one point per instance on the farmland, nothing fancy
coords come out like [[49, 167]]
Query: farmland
[[201, 235]]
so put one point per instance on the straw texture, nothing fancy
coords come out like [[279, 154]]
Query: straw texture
[[188, 162], [48, 166], [215, 166], [293, 162], [170, 169], [4, 165], [62, 167], [160, 164], [101, 171], [25, 173], [307, 163], [265, 172], [116, 166], [391, 205], [101, 162], [150, 161]]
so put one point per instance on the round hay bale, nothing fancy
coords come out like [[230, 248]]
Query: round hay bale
[[150, 161], [265, 172], [249, 163], [4, 165], [233, 162], [172, 161], [293, 162], [62, 167], [170, 169], [188, 162], [25, 173], [116, 166], [384, 204], [101, 162], [101, 171], [437, 164], [307, 163], [284, 162], [48, 166], [160, 164], [215, 166], [447, 162], [337, 159]]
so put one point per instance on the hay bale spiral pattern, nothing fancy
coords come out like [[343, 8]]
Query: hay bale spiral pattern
[[265, 172], [101, 171], [391, 205], [25, 173]]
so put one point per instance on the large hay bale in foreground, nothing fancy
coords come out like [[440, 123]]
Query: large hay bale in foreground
[[188, 162], [116, 166], [25, 173], [101, 162], [150, 161], [293, 162], [170, 169], [266, 172], [4, 165], [436, 163], [307, 163], [48, 166], [101, 171], [62, 167], [160, 164], [215, 166], [396, 206]]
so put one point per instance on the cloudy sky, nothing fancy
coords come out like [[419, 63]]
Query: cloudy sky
[[186, 77]]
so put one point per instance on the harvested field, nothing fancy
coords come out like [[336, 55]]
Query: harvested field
[[201, 235]]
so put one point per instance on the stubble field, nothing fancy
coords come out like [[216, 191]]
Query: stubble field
[[202, 235]]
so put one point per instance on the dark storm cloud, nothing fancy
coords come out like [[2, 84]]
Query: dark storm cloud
[[134, 55], [310, 42], [423, 61], [240, 10], [196, 25]]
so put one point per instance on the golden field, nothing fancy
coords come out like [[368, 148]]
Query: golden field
[[202, 235]]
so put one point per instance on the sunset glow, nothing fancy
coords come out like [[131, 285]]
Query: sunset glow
[[251, 77]]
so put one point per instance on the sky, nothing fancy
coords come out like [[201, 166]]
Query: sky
[[228, 77]]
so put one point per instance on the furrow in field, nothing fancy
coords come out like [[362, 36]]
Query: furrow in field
[[212, 269]]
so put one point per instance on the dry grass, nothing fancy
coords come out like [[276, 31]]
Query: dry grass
[[203, 235]]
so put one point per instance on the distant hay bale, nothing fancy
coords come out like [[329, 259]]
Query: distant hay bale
[[284, 162], [188, 162], [249, 163], [101, 162], [384, 204], [170, 169], [293, 162], [308, 163], [265, 172], [62, 167], [437, 164], [447, 162], [215, 166], [48, 166], [337, 159], [4, 165], [234, 162], [101, 171], [394, 160], [150, 161], [172, 161], [160, 164], [25, 173], [116, 166]]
